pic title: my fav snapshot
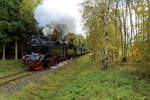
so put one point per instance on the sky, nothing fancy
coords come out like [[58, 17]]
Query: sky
[[66, 12]]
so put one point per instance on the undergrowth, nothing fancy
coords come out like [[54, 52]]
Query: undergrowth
[[84, 80]]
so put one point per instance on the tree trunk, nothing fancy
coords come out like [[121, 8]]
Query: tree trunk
[[131, 25], [22, 50], [16, 49], [4, 50], [106, 49], [125, 23], [106, 43], [94, 54]]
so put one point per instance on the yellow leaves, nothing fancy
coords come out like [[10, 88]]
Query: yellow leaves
[[111, 47], [75, 39], [134, 52], [71, 35], [26, 9], [98, 46]]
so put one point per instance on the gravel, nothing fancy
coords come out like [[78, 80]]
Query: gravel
[[15, 86]]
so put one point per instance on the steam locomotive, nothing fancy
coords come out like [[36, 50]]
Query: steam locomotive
[[44, 52]]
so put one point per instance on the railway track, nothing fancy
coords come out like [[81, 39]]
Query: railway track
[[13, 77], [4, 80]]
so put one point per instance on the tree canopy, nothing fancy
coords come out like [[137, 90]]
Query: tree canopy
[[16, 18]]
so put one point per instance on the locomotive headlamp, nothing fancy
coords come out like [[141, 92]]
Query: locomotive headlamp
[[37, 57], [23, 57]]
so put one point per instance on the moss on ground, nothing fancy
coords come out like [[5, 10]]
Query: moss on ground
[[84, 80]]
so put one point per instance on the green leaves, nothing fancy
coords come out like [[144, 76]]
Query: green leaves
[[9, 17], [16, 19]]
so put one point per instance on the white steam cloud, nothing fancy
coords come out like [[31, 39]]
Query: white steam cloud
[[60, 12]]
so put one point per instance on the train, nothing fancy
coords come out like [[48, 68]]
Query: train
[[43, 52]]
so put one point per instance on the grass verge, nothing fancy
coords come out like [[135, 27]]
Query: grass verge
[[10, 66]]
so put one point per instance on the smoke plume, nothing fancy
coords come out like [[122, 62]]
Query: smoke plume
[[59, 13]]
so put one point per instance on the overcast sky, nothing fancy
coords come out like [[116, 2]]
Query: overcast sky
[[66, 12]]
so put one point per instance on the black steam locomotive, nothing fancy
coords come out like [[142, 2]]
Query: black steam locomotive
[[44, 52]]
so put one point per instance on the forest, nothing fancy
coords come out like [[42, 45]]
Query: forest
[[114, 59], [118, 30]]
